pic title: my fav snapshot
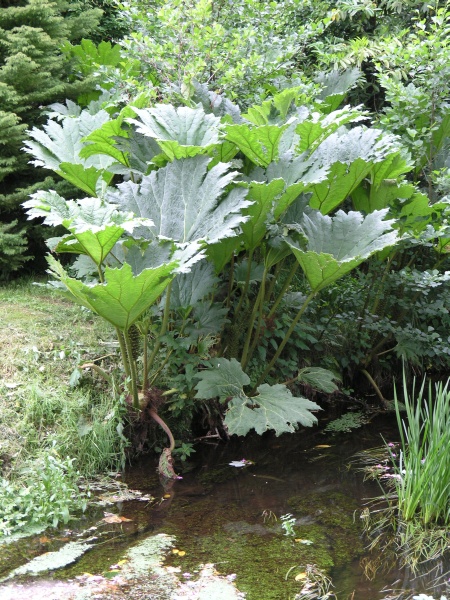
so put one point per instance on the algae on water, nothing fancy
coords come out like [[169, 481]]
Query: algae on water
[[52, 560], [147, 555]]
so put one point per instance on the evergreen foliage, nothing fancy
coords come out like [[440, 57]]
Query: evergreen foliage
[[33, 73]]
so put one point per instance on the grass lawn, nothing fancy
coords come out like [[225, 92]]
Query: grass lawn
[[51, 430]]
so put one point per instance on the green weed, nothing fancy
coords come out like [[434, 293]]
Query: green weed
[[51, 434], [45, 493]]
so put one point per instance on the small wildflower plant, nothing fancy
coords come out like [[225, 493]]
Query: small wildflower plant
[[287, 524]]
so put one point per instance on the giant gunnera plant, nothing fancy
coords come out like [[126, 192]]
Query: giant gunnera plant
[[189, 213]]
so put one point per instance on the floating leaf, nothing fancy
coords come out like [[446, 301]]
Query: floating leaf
[[273, 408], [112, 518]]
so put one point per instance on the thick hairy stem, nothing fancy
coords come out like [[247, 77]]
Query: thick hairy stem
[[286, 285], [133, 371], [285, 340], [273, 281], [375, 387], [145, 363], [123, 352], [381, 283], [257, 311], [166, 428], [247, 282], [230, 282], [106, 376], [164, 325]]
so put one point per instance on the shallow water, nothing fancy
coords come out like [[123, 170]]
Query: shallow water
[[231, 516], [226, 515]]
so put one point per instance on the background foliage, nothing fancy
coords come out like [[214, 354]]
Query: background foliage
[[391, 58]]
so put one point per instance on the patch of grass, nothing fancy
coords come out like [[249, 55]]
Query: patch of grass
[[408, 523], [43, 339], [422, 468]]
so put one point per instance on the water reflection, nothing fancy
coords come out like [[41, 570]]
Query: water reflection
[[217, 508]]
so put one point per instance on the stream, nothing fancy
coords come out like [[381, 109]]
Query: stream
[[231, 515]]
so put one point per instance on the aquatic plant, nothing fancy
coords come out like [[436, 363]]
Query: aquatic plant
[[315, 583], [344, 424], [409, 522], [421, 466], [287, 524]]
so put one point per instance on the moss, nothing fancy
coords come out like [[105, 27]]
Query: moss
[[258, 554], [333, 512], [211, 478]]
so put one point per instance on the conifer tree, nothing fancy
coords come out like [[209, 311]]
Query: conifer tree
[[33, 74]]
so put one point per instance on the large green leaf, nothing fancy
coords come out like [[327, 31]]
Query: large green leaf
[[207, 319], [263, 196], [338, 244], [367, 197], [298, 174], [53, 208], [180, 132], [319, 379], [187, 201], [416, 214], [383, 184], [190, 288], [336, 84], [62, 142], [123, 297], [59, 148], [97, 245], [350, 157], [140, 152], [103, 141], [94, 225], [273, 408], [317, 128], [215, 103], [87, 179], [259, 144], [276, 109], [225, 379], [220, 253], [87, 213]]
